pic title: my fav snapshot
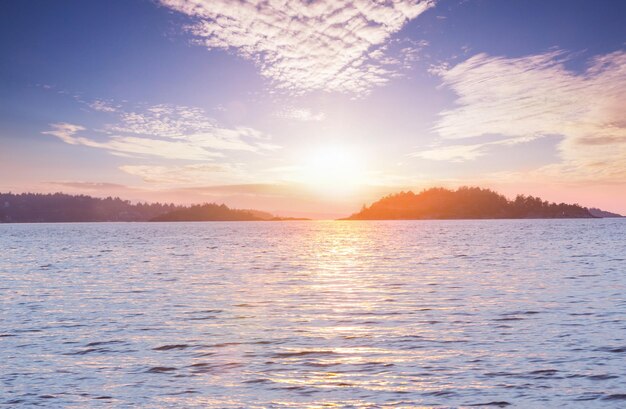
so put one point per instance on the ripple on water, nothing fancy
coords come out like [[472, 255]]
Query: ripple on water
[[524, 313]]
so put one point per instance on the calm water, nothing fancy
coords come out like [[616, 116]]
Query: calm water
[[314, 314]]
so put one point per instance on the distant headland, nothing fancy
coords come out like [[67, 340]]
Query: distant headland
[[435, 203], [469, 203], [60, 207], [215, 212]]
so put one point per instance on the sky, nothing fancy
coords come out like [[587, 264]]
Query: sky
[[313, 108]]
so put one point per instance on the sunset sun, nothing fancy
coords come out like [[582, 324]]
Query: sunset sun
[[333, 169]]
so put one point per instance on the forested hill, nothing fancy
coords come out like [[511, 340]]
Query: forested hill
[[215, 212], [209, 212], [465, 203], [59, 207]]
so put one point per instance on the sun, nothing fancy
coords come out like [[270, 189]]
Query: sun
[[334, 170]]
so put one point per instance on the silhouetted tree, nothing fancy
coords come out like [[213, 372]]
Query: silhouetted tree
[[59, 207], [465, 203]]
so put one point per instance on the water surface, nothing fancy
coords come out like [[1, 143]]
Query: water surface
[[524, 313]]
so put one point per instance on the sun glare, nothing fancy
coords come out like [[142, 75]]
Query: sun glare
[[333, 170]]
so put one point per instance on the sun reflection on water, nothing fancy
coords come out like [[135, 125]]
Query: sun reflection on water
[[292, 315]]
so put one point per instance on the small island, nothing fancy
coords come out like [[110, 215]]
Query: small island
[[215, 212], [467, 203]]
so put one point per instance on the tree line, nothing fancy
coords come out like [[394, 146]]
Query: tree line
[[465, 203], [435, 203], [60, 207]]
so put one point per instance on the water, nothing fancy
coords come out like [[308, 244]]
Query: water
[[529, 313]]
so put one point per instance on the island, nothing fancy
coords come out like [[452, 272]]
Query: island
[[215, 212], [467, 203]]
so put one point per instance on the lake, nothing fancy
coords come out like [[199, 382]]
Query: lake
[[516, 313]]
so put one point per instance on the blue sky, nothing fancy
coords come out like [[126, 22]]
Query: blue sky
[[311, 108]]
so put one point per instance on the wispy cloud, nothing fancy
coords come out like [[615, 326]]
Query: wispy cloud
[[91, 186], [163, 120], [133, 146], [304, 46], [466, 152], [452, 153], [66, 132], [165, 131], [103, 106], [188, 175], [301, 114], [536, 96]]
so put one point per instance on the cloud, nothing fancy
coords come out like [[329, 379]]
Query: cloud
[[163, 120], [65, 132], [466, 152], [188, 175], [102, 106], [301, 114], [303, 46], [535, 96], [454, 153], [166, 131], [91, 186], [252, 189], [129, 145]]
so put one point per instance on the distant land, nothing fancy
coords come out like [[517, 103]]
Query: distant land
[[215, 212], [595, 212], [435, 203], [60, 207], [469, 203]]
